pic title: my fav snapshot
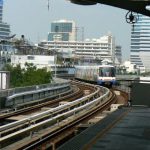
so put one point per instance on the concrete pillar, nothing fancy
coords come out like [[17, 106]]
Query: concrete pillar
[[53, 146]]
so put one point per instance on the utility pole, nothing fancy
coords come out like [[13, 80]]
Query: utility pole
[[55, 57]]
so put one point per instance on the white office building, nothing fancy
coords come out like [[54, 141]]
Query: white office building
[[39, 61], [140, 43], [130, 68], [102, 48]]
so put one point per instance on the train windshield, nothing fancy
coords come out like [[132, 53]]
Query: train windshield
[[107, 71]]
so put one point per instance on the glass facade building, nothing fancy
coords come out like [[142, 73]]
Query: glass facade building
[[62, 30], [6, 49], [140, 43], [1, 9], [61, 27], [4, 27], [4, 30]]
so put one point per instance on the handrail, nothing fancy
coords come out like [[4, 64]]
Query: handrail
[[12, 91], [56, 109]]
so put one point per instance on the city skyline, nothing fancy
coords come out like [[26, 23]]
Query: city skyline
[[34, 22]]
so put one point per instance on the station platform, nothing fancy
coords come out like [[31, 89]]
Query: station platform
[[128, 128]]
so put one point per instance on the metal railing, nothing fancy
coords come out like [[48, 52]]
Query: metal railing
[[9, 92]]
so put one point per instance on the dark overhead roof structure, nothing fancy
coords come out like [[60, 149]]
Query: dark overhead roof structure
[[138, 6]]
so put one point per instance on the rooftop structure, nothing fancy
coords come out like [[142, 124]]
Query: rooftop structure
[[62, 30]]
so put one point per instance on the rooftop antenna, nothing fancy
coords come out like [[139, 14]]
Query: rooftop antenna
[[48, 5]]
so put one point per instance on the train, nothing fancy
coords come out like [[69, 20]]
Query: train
[[101, 74]]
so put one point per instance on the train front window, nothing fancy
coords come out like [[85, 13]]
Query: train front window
[[107, 72]]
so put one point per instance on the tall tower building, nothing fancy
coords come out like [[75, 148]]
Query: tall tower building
[[4, 27], [5, 48], [1, 9], [62, 30], [118, 54], [140, 43]]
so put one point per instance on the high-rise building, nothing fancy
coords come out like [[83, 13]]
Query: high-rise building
[[140, 43], [1, 9], [4, 27], [6, 49], [62, 30], [118, 54], [102, 48]]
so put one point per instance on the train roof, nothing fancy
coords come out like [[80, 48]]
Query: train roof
[[94, 66]]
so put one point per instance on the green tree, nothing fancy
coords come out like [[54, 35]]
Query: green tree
[[28, 76], [34, 76], [16, 75]]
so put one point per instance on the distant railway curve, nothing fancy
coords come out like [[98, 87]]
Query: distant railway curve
[[77, 91]]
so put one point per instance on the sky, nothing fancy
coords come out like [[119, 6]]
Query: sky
[[32, 19]]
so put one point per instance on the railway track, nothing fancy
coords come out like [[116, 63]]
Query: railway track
[[54, 122], [53, 141], [77, 92], [10, 129], [49, 118]]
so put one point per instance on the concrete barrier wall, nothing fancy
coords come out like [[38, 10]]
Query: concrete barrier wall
[[13, 97]]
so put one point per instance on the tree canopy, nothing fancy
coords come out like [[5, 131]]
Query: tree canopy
[[28, 76]]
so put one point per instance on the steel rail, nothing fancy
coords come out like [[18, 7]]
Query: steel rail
[[42, 104], [88, 105], [48, 112], [65, 128]]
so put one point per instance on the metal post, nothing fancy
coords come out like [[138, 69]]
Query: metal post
[[55, 59], [55, 56], [0, 59]]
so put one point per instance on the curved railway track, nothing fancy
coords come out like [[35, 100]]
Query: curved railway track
[[65, 129], [64, 125], [75, 94], [55, 139]]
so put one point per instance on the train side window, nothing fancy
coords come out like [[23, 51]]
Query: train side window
[[112, 72], [100, 72]]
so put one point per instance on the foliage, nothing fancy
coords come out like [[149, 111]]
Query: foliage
[[16, 75], [28, 76]]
